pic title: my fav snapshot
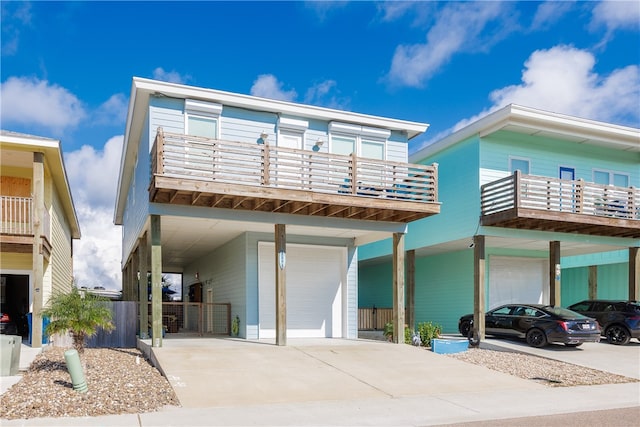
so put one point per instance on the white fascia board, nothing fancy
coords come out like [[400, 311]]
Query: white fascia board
[[275, 106]]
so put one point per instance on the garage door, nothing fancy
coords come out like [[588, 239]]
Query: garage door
[[315, 301], [517, 280]]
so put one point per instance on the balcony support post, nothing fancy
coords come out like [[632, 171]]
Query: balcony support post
[[411, 288], [143, 290], [634, 274], [593, 282], [156, 282], [554, 273], [37, 284], [398, 288], [478, 287], [281, 284]]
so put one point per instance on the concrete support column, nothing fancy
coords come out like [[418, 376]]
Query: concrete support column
[[634, 274], [37, 285], [555, 272], [411, 289], [143, 289], [156, 282], [398, 288], [281, 284], [593, 282], [478, 287]]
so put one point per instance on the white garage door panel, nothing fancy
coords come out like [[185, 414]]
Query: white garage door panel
[[517, 280], [314, 290]]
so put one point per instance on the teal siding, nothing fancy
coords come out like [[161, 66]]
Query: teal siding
[[459, 193], [375, 285], [547, 155], [444, 289], [613, 281], [574, 286]]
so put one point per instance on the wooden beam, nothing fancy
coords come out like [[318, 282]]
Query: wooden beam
[[143, 287], [398, 288], [478, 288], [634, 274], [281, 284], [37, 286], [555, 271], [156, 282], [593, 282], [411, 289]]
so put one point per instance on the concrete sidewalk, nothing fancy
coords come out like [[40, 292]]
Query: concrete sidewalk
[[227, 382]]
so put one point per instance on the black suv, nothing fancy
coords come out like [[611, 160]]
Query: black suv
[[618, 319]]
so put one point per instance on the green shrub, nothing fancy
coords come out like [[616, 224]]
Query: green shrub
[[428, 331], [388, 332]]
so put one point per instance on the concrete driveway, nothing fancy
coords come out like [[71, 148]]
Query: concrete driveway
[[209, 373]]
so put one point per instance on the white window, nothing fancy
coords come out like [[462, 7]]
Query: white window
[[202, 118], [603, 177], [362, 141]]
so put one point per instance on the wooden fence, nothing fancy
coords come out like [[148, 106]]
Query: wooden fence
[[124, 317], [374, 318]]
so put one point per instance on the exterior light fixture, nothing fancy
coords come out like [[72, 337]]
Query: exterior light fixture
[[263, 138], [317, 145]]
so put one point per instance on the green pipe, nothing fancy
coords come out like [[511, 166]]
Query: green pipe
[[75, 370]]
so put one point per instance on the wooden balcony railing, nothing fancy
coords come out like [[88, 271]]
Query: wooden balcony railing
[[543, 200], [269, 169], [17, 216]]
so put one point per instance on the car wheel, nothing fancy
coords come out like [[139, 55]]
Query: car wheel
[[617, 335], [574, 345], [536, 338], [464, 328]]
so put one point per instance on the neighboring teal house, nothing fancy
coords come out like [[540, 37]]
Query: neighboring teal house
[[261, 205], [537, 207]]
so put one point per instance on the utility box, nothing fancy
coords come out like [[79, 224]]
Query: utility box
[[443, 346], [10, 346]]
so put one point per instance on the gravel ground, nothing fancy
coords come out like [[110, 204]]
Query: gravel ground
[[123, 381], [546, 371], [119, 381]]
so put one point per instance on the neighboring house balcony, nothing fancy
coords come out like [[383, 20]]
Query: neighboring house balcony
[[190, 170], [568, 206], [17, 219]]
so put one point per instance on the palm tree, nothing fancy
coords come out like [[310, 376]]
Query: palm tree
[[79, 314]]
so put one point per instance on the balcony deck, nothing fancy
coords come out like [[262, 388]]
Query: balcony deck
[[548, 204], [197, 171], [16, 226]]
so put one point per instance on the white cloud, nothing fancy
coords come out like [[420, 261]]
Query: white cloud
[[550, 12], [562, 80], [27, 100], [93, 177], [268, 86], [326, 93], [170, 76], [112, 111], [615, 15], [15, 16], [459, 27]]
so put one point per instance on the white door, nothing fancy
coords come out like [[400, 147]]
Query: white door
[[518, 280], [314, 287]]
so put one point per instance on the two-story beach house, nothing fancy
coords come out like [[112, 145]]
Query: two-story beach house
[[261, 205], [537, 207], [38, 224]]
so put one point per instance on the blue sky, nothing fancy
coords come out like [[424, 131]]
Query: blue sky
[[67, 66]]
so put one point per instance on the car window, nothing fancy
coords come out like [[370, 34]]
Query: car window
[[564, 313], [601, 306], [519, 311], [581, 306], [502, 310], [535, 312]]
